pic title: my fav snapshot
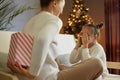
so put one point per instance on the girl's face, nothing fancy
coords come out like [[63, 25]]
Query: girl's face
[[87, 31], [58, 7]]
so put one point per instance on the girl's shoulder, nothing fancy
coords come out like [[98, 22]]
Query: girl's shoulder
[[97, 46]]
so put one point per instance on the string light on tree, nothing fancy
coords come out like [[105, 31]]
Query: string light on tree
[[78, 17]]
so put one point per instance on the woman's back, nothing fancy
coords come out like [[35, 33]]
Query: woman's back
[[39, 26]]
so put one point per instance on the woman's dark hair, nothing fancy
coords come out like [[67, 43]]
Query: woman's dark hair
[[45, 3], [95, 28]]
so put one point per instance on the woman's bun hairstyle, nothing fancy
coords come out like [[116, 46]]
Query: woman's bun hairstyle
[[99, 26], [95, 28]]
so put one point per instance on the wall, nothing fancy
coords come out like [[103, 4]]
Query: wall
[[66, 12], [96, 12], [19, 22]]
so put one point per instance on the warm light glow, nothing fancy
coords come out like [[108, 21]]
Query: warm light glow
[[87, 9], [77, 18], [74, 10]]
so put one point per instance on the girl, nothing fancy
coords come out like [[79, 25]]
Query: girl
[[90, 47]]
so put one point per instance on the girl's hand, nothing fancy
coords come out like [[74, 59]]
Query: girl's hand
[[85, 40], [79, 42]]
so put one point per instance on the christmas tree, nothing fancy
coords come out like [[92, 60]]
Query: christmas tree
[[78, 18]]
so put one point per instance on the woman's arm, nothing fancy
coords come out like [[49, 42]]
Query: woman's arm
[[42, 43], [40, 49], [19, 69], [76, 52]]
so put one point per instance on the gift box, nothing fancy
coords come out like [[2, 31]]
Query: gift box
[[20, 50]]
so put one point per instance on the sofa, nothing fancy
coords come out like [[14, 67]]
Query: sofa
[[65, 43], [5, 37], [5, 73]]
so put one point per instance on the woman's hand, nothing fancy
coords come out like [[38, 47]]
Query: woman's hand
[[19, 69], [62, 67]]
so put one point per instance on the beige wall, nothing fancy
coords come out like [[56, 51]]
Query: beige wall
[[66, 11]]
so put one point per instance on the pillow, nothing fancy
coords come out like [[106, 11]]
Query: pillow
[[64, 59], [5, 37], [3, 62]]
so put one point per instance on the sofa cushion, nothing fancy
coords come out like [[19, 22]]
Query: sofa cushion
[[5, 37], [7, 76]]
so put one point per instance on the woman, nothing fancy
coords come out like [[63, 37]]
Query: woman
[[90, 47], [44, 27]]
